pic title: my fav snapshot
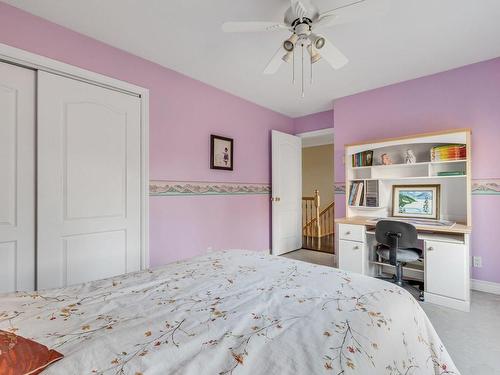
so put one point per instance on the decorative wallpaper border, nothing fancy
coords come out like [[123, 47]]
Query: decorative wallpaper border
[[180, 188], [479, 187], [339, 187], [183, 188], [486, 187]]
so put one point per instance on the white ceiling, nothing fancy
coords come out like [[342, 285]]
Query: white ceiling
[[413, 39]]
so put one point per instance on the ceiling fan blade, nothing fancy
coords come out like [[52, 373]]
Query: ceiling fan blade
[[351, 12], [251, 27], [299, 8], [325, 21], [332, 55], [275, 62]]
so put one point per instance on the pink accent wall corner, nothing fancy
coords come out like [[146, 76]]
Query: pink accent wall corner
[[315, 121]]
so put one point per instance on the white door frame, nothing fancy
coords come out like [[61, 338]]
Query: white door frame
[[322, 136], [30, 60]]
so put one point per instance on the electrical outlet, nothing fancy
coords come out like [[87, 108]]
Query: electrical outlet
[[210, 249], [477, 261]]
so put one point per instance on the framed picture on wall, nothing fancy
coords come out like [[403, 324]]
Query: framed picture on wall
[[417, 201], [221, 153]]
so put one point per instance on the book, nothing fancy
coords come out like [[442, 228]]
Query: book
[[359, 194], [362, 159], [371, 193], [351, 193], [448, 152], [356, 194], [451, 173]]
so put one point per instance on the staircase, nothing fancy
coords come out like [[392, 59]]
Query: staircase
[[318, 224]]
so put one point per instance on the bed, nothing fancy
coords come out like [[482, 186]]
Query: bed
[[233, 312]]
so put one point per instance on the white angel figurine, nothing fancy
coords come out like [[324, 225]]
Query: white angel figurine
[[410, 157]]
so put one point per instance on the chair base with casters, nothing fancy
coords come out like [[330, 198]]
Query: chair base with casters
[[404, 256], [397, 244]]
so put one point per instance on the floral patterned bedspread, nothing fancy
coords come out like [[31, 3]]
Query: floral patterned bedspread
[[234, 312]]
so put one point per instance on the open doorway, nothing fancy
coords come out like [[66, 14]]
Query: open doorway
[[302, 220], [318, 195]]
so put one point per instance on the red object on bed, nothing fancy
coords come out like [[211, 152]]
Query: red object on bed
[[21, 356]]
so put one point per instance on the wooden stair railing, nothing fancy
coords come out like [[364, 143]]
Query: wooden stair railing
[[317, 223], [310, 212], [327, 220]]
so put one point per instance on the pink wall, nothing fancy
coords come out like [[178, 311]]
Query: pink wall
[[316, 121], [464, 97], [183, 113]]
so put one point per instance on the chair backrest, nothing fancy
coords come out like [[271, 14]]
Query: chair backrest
[[387, 230]]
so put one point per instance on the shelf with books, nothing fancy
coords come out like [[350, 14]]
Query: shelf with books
[[454, 168], [448, 169], [356, 193], [448, 152], [411, 165], [364, 193], [362, 159], [434, 158]]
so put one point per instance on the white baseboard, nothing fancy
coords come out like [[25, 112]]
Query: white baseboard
[[452, 303], [485, 286]]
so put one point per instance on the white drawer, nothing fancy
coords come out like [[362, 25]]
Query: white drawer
[[352, 256], [351, 232]]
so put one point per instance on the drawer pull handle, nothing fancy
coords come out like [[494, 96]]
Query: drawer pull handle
[[430, 248], [347, 233], [355, 248]]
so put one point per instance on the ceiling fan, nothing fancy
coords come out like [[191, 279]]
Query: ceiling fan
[[303, 19]]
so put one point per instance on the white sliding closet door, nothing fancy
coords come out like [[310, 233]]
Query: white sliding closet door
[[17, 178], [89, 176]]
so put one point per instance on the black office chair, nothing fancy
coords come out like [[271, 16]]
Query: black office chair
[[397, 243]]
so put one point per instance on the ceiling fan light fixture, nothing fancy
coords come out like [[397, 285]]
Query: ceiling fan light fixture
[[289, 44], [287, 57], [320, 43], [315, 56]]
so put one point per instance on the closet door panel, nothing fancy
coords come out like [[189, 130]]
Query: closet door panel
[[17, 178], [88, 182]]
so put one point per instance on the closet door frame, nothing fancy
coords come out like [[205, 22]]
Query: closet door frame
[[33, 61]]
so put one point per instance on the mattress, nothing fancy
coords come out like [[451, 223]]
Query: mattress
[[231, 312]]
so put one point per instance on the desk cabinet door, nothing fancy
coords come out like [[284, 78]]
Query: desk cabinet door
[[351, 256], [446, 269]]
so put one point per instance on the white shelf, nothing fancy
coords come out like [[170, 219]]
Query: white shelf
[[448, 161], [367, 207], [407, 178], [424, 170], [412, 165], [415, 269]]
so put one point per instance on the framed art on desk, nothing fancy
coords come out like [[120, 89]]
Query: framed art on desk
[[417, 201]]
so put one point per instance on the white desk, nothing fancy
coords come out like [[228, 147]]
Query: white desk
[[446, 272]]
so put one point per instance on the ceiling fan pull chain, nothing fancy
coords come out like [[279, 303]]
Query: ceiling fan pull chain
[[293, 67], [312, 50], [303, 93]]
